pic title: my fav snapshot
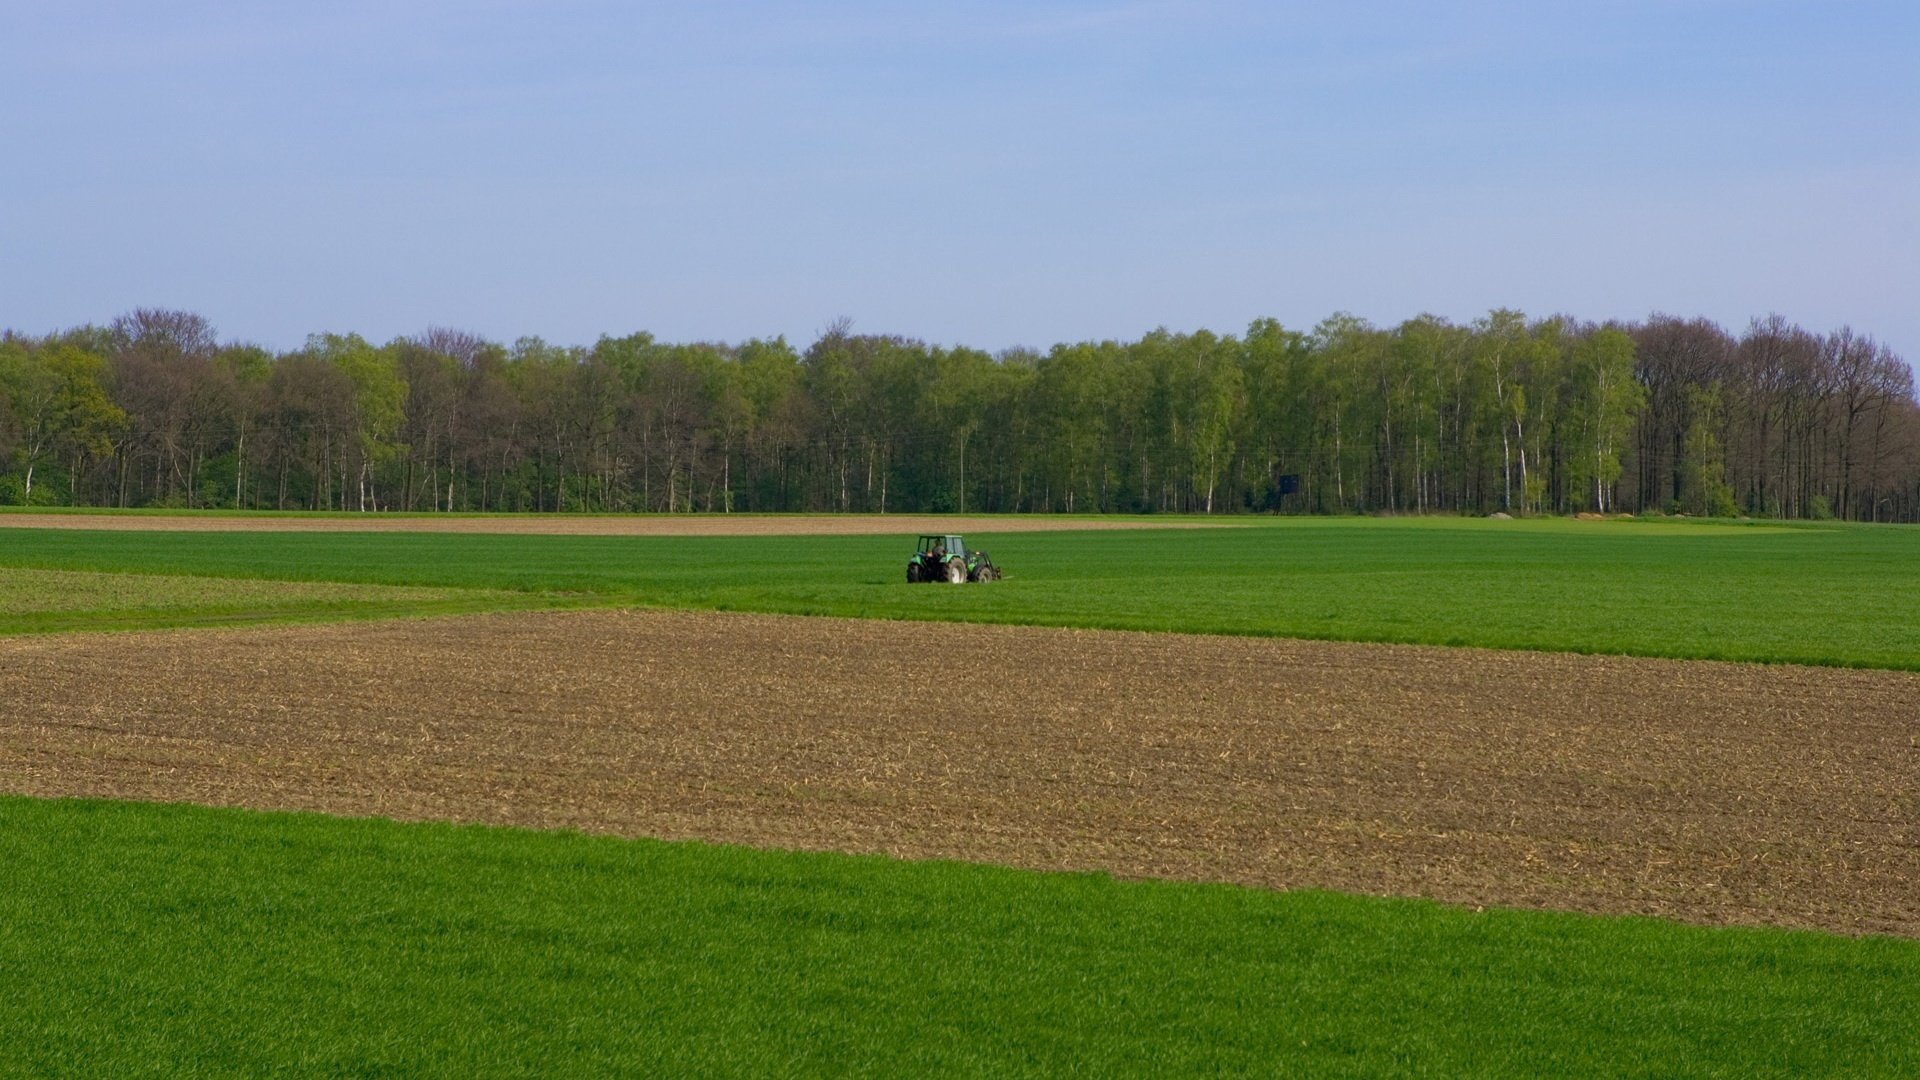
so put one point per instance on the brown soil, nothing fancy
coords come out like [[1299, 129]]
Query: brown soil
[[1706, 792], [607, 525]]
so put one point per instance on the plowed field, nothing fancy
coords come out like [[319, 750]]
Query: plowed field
[[612, 525], [1707, 792]]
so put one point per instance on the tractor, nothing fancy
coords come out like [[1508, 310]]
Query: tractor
[[946, 558]]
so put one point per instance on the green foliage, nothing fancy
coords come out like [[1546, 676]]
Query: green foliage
[[1544, 416], [1824, 595], [1534, 490], [1704, 489], [40, 601], [1604, 400], [379, 392], [221, 942], [58, 404]]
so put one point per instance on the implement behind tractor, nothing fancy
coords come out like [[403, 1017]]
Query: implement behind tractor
[[946, 558]]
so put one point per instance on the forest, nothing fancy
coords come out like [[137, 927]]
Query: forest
[[1503, 414]]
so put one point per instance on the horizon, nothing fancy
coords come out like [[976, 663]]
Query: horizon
[[801, 344]]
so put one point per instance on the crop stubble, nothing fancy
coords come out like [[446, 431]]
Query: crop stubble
[[1708, 792]]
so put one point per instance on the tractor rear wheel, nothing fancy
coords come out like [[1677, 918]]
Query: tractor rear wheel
[[956, 572]]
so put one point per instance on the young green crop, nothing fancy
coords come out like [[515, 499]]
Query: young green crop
[[139, 939], [33, 601], [1833, 594]]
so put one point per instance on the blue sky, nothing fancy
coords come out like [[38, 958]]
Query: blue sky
[[993, 174]]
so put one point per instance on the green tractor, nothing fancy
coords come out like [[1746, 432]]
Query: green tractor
[[946, 558]]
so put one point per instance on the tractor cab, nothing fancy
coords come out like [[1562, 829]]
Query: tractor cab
[[944, 557], [939, 547]]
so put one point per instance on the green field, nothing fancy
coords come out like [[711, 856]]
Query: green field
[[39, 601], [142, 939], [173, 940], [1835, 594]]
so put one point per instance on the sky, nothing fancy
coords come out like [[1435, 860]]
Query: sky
[[988, 174]]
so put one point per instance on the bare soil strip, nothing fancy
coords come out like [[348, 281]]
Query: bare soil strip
[[1708, 792], [624, 525]]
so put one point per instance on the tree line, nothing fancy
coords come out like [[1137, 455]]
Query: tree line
[[1505, 413]]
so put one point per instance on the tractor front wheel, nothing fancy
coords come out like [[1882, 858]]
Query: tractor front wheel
[[913, 573], [956, 572]]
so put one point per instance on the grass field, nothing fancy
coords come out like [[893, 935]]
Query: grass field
[[39, 601], [141, 939], [1836, 595]]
